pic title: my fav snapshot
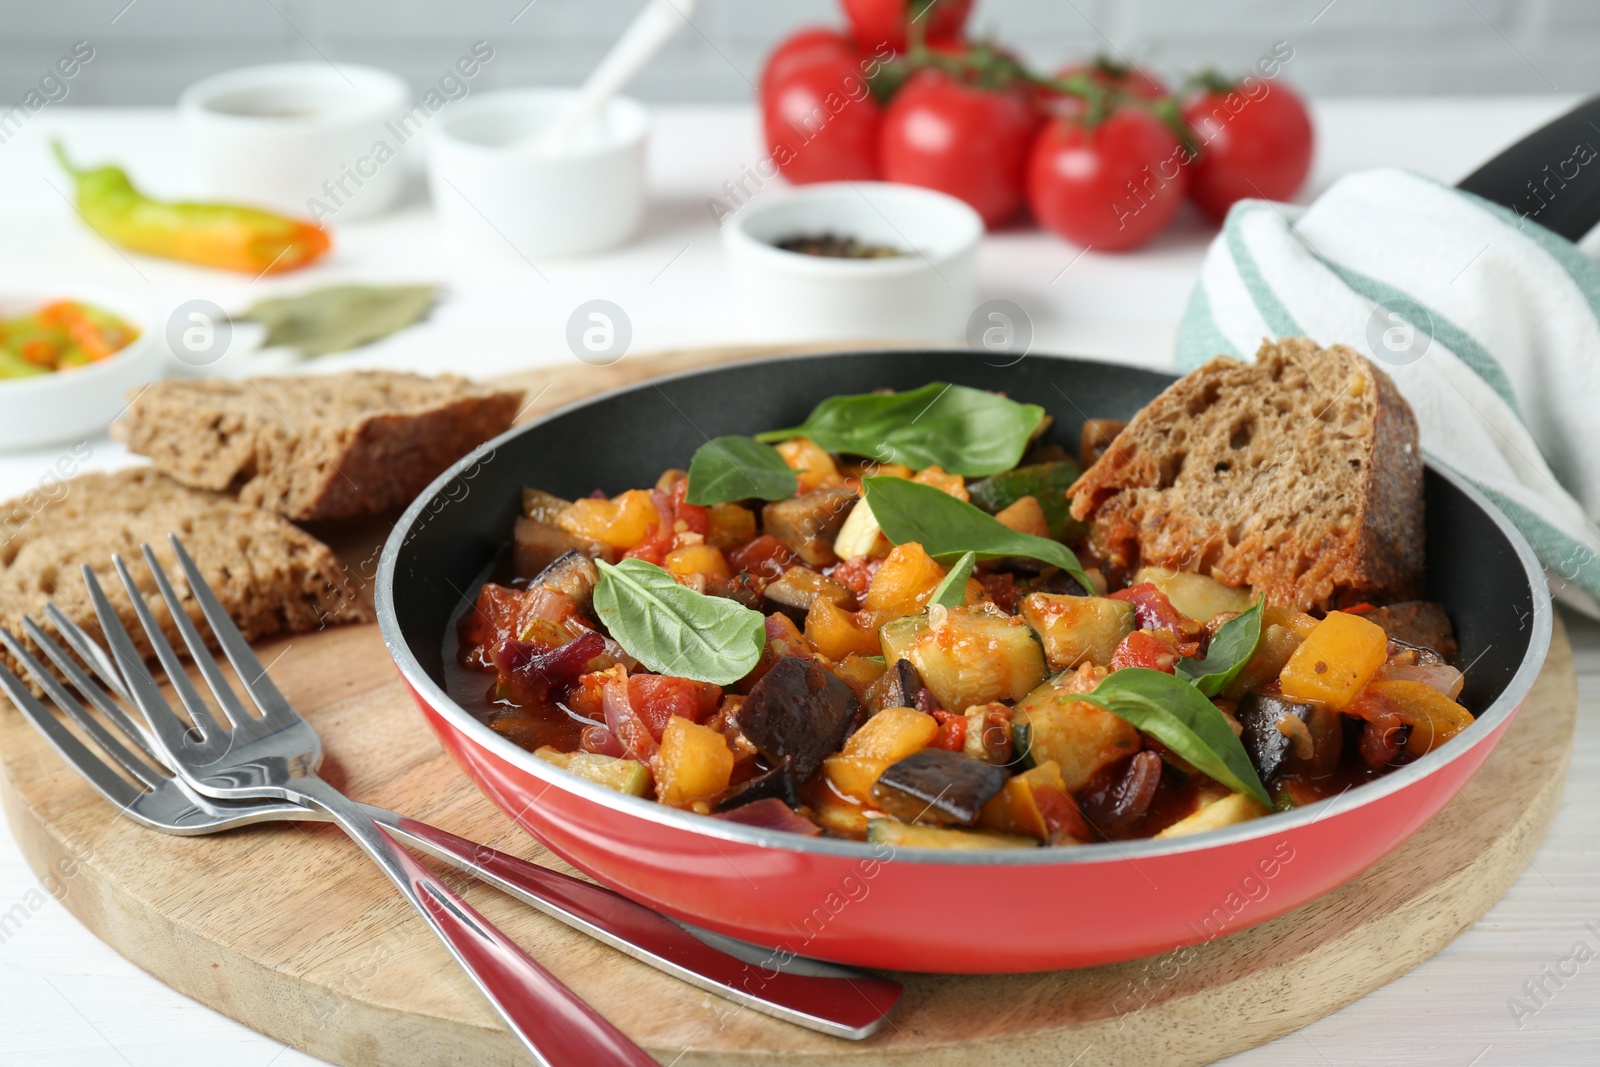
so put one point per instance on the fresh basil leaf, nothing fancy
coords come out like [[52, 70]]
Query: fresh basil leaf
[[966, 431], [1180, 717], [674, 630], [952, 592], [735, 468], [1230, 649], [946, 527], [336, 318]]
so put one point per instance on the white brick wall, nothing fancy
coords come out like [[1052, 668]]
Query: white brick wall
[[149, 50]]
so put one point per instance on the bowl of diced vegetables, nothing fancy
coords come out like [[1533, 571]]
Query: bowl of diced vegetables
[[68, 357]]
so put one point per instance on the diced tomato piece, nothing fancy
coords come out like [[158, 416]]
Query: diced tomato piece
[[1002, 589], [765, 556], [694, 517], [952, 733], [856, 574], [492, 620], [1144, 649], [656, 698], [1061, 814]]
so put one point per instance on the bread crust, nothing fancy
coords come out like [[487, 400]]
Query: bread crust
[[1299, 475], [315, 447], [270, 576]]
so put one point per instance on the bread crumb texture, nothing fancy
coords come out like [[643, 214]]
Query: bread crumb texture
[[313, 447], [1299, 475]]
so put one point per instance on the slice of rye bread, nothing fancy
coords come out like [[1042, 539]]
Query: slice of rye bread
[[1299, 474], [315, 447], [270, 576]]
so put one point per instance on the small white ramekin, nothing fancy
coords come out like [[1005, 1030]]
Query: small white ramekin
[[302, 138], [80, 403], [926, 293], [491, 183]]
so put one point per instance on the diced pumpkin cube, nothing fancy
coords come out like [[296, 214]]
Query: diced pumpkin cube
[[1336, 660], [1230, 810], [620, 523], [813, 467], [950, 484], [1078, 629], [624, 775], [860, 670], [1024, 515], [1433, 717], [697, 559], [729, 525], [1050, 725], [1198, 596], [694, 763], [892, 734], [836, 633], [853, 776], [903, 583]]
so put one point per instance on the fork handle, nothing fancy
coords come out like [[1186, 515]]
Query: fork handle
[[558, 1028], [839, 1001]]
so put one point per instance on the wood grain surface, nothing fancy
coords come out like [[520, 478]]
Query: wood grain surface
[[288, 929]]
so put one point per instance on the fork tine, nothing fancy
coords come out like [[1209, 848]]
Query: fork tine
[[199, 711], [97, 696], [88, 650], [273, 704], [226, 698], [172, 732], [65, 701], [106, 782]]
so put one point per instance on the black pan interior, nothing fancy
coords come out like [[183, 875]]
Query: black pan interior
[[625, 440]]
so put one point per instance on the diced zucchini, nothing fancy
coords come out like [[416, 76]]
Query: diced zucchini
[[1045, 482], [909, 835], [623, 775], [974, 656], [1196, 595], [1078, 629], [1081, 737], [841, 818], [1231, 809]]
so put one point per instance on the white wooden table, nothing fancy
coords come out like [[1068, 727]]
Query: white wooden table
[[66, 1000]]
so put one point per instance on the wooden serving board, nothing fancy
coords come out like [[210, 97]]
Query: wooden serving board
[[289, 930]]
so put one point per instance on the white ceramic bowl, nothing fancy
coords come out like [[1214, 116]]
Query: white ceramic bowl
[[926, 293], [490, 183], [80, 403], [302, 139]]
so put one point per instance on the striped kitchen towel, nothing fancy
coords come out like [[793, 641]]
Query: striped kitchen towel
[[1489, 324]]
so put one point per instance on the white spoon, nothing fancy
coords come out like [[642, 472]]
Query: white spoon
[[646, 35]]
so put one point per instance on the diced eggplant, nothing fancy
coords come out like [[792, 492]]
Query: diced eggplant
[[771, 814], [778, 783], [800, 711], [1050, 724], [572, 573], [1078, 629], [1311, 743], [1421, 623], [938, 786], [1198, 596], [1095, 437], [898, 834], [896, 688], [795, 592], [536, 545], [975, 656], [1046, 483], [808, 523]]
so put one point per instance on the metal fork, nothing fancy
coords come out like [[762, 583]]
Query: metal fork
[[275, 756], [822, 996]]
